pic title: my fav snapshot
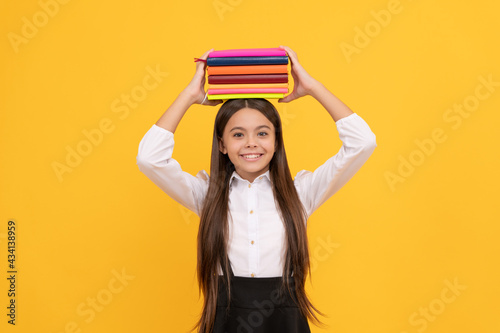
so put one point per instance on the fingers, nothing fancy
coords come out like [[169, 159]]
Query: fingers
[[205, 55], [293, 60], [201, 65], [210, 102], [200, 68], [213, 102], [291, 54], [288, 98]]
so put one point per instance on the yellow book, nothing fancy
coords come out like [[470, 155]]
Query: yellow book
[[235, 96], [248, 85]]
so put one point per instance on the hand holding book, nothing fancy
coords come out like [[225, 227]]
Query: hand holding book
[[195, 90], [303, 83]]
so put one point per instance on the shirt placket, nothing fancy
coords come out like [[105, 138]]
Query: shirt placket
[[253, 215]]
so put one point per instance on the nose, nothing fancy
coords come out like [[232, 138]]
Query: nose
[[250, 142]]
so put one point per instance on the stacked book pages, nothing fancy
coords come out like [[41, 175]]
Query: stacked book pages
[[247, 73]]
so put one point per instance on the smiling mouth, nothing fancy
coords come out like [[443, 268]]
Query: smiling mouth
[[251, 157]]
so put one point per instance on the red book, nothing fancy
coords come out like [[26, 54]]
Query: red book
[[248, 78], [251, 69]]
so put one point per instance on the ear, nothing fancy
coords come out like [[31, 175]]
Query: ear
[[222, 148]]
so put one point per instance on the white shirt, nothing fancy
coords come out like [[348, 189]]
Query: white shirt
[[256, 243]]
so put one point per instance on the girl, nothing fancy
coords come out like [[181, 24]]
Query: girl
[[253, 257]]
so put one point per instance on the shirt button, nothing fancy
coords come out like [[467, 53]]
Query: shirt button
[[251, 212], [252, 275], [252, 242], [249, 185], [260, 177]]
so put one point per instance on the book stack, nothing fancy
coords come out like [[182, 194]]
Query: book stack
[[247, 73]]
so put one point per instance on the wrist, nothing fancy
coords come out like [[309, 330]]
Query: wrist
[[316, 89], [187, 98]]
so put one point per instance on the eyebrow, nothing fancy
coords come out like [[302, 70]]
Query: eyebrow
[[242, 129]]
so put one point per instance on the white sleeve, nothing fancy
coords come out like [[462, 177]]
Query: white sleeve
[[358, 143], [155, 161]]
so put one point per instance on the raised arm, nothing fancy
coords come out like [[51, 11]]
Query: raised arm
[[358, 141], [194, 93], [305, 84], [154, 157]]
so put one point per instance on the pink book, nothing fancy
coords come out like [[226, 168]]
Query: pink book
[[247, 91], [263, 52]]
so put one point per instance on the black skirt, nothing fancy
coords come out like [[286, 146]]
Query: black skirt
[[258, 306]]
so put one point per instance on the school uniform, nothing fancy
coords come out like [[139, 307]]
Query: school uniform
[[256, 243], [258, 305]]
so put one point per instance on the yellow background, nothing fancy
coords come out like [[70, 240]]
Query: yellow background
[[389, 248]]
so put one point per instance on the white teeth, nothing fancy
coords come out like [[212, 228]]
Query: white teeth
[[251, 156]]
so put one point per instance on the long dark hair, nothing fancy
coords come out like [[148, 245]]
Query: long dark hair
[[213, 229]]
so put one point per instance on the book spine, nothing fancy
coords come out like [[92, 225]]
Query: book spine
[[250, 78], [247, 91], [254, 69], [238, 61], [263, 52], [233, 96]]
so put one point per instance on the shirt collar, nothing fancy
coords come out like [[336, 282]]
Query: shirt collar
[[235, 175]]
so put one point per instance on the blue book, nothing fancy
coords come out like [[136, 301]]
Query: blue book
[[235, 61]]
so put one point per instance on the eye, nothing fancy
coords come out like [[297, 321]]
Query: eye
[[263, 133], [238, 135]]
